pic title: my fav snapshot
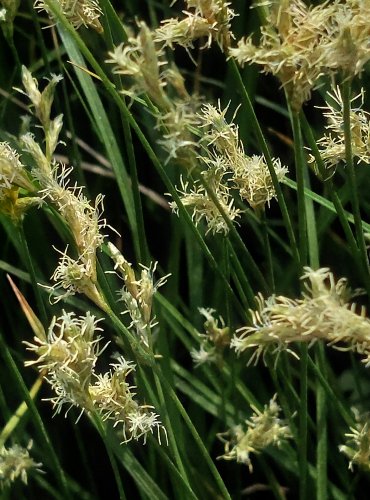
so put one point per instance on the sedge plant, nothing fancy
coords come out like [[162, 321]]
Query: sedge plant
[[183, 225]]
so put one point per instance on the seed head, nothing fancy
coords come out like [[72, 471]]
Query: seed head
[[213, 341], [68, 356], [323, 313], [248, 174], [141, 60], [347, 49], [78, 12], [41, 101], [210, 19], [12, 171], [292, 46], [263, 429], [357, 447], [113, 397], [137, 294], [332, 145], [202, 205], [16, 462]]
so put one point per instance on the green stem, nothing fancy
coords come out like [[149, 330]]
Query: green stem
[[194, 433], [168, 423], [265, 150], [248, 293], [173, 469], [303, 424], [301, 168], [333, 396], [21, 410], [321, 404], [97, 421], [321, 428], [31, 270], [171, 435], [267, 247], [338, 205], [300, 165], [250, 262], [143, 245]]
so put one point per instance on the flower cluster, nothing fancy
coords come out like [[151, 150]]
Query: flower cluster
[[227, 167], [176, 126], [78, 12], [82, 218], [137, 294], [213, 341], [349, 31], [16, 462], [264, 428], [13, 176], [142, 60], [323, 313], [208, 19], [248, 174], [298, 43], [182, 120], [68, 356], [357, 447], [332, 145], [12, 171], [203, 207], [113, 397]]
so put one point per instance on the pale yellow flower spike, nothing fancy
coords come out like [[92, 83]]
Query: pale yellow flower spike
[[78, 12], [357, 447], [264, 428], [16, 462], [323, 313], [69, 356]]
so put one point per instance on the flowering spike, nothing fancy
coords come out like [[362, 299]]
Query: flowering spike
[[16, 462], [264, 428], [78, 12], [323, 313]]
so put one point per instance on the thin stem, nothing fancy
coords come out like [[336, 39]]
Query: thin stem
[[267, 247], [332, 188], [20, 411], [143, 245], [170, 433], [31, 270], [338, 205], [173, 469], [234, 233], [97, 421], [321, 404], [321, 428], [300, 165], [195, 435], [265, 150], [303, 424]]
